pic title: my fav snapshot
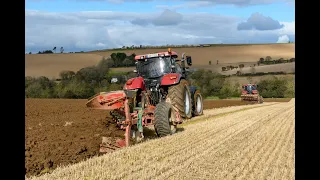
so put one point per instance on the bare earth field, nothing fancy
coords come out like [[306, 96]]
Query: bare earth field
[[64, 131], [51, 65], [240, 142]]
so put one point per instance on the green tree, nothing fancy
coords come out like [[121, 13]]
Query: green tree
[[118, 58], [290, 92], [89, 75], [76, 89], [268, 58], [127, 62], [210, 83], [261, 60], [281, 60], [102, 69], [40, 87], [273, 87], [67, 75]]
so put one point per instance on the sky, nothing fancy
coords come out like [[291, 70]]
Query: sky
[[83, 25]]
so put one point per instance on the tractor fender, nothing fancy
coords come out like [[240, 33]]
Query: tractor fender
[[170, 79], [244, 92], [192, 91], [135, 83]]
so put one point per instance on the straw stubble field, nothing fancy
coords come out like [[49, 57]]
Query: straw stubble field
[[64, 131], [243, 142]]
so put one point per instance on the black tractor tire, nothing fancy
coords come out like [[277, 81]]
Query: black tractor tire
[[260, 99], [197, 96], [162, 115], [177, 94]]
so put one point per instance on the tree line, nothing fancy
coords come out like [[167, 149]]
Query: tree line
[[268, 60], [94, 79], [75, 85]]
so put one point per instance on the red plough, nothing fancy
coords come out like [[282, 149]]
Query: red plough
[[159, 96], [117, 102]]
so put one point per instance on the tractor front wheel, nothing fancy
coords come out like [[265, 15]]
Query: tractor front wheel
[[162, 116], [198, 104], [260, 99]]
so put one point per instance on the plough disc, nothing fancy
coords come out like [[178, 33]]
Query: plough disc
[[250, 97], [117, 101]]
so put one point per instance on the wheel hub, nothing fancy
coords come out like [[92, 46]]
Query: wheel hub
[[199, 104]]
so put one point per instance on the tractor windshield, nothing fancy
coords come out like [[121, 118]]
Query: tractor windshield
[[249, 88], [154, 67], [254, 87]]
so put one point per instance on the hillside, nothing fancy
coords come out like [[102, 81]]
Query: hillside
[[51, 64]]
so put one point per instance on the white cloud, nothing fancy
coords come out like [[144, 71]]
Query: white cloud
[[190, 36], [283, 39], [189, 5], [289, 28], [260, 22], [205, 3], [77, 31], [100, 44], [213, 2]]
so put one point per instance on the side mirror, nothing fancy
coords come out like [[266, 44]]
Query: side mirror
[[189, 60]]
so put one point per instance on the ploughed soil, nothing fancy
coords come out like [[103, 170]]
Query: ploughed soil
[[209, 104], [65, 131]]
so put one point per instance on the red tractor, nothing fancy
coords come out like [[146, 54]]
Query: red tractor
[[159, 96], [250, 93]]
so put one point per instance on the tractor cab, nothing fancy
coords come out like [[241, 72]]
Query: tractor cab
[[151, 66], [250, 93], [249, 89]]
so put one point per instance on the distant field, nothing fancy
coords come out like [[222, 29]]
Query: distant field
[[285, 67], [51, 65], [225, 54]]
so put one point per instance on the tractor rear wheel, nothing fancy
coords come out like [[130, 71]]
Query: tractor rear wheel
[[162, 117], [260, 99], [180, 98], [198, 104]]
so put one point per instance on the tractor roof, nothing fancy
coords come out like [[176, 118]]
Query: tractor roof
[[158, 54], [249, 84]]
